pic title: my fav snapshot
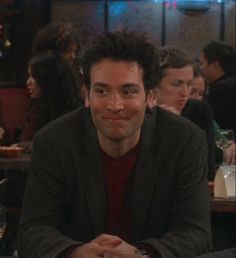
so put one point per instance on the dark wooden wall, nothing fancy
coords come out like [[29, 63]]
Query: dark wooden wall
[[24, 18]]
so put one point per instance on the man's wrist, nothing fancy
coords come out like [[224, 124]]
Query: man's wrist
[[67, 252], [149, 251], [141, 252]]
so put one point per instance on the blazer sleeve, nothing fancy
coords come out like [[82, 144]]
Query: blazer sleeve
[[41, 227], [188, 233]]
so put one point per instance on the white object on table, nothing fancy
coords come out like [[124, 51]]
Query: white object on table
[[224, 183]]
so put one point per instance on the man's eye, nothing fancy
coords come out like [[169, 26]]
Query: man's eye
[[130, 91], [176, 83], [100, 91]]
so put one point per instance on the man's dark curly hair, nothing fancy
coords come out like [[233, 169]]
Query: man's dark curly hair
[[223, 53], [122, 46]]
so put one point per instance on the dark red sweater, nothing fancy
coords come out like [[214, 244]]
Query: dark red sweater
[[117, 175]]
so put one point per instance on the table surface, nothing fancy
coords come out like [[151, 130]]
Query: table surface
[[223, 205], [220, 204], [20, 162], [217, 204]]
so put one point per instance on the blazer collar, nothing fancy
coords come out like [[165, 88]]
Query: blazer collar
[[93, 176]]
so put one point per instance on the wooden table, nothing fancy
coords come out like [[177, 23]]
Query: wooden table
[[220, 204], [223, 205], [20, 162]]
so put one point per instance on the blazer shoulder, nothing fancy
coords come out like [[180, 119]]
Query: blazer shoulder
[[173, 124], [72, 123]]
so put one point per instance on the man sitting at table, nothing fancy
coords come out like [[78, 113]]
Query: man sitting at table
[[115, 176]]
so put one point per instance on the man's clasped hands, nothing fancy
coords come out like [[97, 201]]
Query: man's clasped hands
[[104, 244]]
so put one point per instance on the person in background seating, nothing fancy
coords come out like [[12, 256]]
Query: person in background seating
[[61, 37], [116, 176], [198, 92], [198, 89], [51, 89], [4, 137], [1, 132], [217, 61], [173, 91]]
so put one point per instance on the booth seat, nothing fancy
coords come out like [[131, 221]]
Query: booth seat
[[13, 105]]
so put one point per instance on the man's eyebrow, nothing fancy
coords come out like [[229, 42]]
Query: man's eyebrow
[[180, 80], [129, 85], [101, 84], [125, 85]]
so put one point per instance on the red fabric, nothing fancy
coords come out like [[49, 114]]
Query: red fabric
[[117, 175], [31, 124], [13, 103]]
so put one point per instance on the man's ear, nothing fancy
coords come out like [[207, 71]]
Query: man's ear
[[86, 97], [151, 98]]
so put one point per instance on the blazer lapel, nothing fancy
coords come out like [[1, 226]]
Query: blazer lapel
[[146, 175], [94, 179]]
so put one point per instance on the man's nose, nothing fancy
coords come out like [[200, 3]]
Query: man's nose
[[116, 102]]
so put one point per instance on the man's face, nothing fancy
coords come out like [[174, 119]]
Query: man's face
[[117, 100], [175, 87], [207, 69]]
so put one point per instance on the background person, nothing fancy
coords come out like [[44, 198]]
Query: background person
[[198, 89], [218, 64], [1, 133], [198, 92], [61, 37], [51, 89], [57, 36], [173, 92]]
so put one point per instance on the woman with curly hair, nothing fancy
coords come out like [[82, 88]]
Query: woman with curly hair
[[61, 37], [51, 85], [57, 36]]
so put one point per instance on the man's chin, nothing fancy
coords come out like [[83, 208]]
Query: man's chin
[[114, 136]]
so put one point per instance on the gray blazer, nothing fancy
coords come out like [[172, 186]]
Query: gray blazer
[[65, 198]]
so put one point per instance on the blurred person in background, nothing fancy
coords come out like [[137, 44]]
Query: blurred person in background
[[173, 91], [217, 61], [51, 88], [61, 37], [1, 132], [198, 92]]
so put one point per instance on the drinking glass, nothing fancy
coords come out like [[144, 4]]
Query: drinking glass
[[2, 220], [224, 139]]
